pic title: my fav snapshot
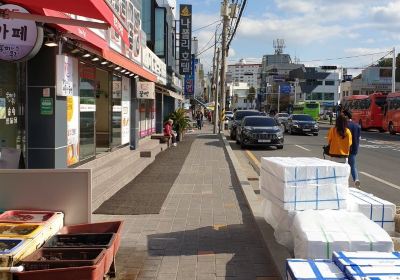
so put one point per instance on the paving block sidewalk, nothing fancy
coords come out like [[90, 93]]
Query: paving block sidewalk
[[204, 230]]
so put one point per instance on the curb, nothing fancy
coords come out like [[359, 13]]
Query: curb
[[278, 252]]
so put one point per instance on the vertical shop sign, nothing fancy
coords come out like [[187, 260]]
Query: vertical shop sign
[[2, 108], [126, 112], [185, 39], [73, 116], [19, 39], [11, 108], [64, 73]]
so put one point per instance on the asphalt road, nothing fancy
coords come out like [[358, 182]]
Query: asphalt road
[[378, 159]]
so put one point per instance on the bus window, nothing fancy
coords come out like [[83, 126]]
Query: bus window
[[380, 101], [312, 105]]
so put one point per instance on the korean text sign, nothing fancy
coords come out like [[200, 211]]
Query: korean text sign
[[185, 39], [19, 39]]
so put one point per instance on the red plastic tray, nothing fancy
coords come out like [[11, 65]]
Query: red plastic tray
[[104, 227], [26, 216], [94, 272]]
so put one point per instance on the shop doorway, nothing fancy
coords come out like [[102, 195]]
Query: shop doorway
[[87, 108], [102, 111]]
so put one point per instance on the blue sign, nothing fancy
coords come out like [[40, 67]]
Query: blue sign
[[286, 89], [189, 85]]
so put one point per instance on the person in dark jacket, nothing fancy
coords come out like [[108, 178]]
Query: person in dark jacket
[[356, 135]]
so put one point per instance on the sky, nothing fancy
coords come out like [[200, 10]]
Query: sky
[[322, 30]]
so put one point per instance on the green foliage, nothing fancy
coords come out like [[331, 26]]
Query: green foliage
[[252, 90], [181, 121]]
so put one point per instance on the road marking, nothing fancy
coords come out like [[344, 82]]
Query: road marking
[[301, 147], [380, 180], [253, 158]]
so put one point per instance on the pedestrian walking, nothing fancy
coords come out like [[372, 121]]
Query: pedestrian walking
[[198, 120], [169, 133], [330, 118], [339, 139], [355, 130]]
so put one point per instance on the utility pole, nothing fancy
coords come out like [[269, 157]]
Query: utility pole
[[224, 53], [279, 97], [394, 70], [215, 86]]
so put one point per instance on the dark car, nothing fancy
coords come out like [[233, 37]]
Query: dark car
[[237, 118], [282, 119], [259, 131], [301, 123]]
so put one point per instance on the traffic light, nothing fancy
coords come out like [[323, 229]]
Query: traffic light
[[329, 67]]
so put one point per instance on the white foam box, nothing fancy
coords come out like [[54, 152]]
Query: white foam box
[[299, 269], [365, 258], [376, 209], [381, 272], [317, 234], [281, 221], [300, 183]]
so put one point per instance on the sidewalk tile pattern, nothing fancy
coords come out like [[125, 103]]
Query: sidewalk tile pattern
[[205, 229]]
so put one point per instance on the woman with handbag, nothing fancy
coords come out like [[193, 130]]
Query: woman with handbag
[[339, 139]]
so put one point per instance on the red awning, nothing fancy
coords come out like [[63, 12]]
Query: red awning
[[122, 61], [96, 9], [82, 32]]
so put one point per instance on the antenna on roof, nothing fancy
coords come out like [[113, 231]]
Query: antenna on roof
[[279, 45]]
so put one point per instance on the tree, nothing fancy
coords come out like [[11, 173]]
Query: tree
[[250, 98]]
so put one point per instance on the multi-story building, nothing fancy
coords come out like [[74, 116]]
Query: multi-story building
[[158, 17], [316, 84], [239, 96], [372, 79], [243, 72]]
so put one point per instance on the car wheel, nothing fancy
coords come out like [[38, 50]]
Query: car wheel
[[279, 147], [315, 134], [391, 129], [243, 143]]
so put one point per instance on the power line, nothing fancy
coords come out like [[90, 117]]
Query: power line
[[206, 25], [212, 37], [244, 2], [203, 51], [345, 57]]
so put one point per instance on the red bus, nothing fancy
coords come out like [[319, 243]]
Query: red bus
[[391, 119], [367, 110]]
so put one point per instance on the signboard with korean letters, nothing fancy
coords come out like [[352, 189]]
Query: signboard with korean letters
[[185, 40], [19, 39], [146, 90]]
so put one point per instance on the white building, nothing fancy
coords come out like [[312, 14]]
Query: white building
[[239, 96], [243, 72]]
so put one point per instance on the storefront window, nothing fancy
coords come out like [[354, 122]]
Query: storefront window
[[147, 122], [12, 132], [116, 110], [87, 87]]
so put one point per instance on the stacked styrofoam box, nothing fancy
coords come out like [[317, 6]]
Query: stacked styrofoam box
[[317, 234], [281, 221], [368, 265], [304, 183], [365, 258], [378, 210], [312, 269]]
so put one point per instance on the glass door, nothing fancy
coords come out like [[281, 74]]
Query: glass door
[[116, 111], [87, 90]]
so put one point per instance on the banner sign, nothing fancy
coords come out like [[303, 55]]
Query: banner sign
[[19, 39], [189, 85], [64, 74], [146, 90], [126, 110], [185, 39], [73, 115]]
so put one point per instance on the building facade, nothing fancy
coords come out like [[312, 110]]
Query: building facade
[[239, 96], [81, 92], [243, 72]]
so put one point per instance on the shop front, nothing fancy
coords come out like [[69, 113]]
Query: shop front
[[147, 108]]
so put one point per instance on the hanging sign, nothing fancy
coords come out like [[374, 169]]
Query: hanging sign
[[46, 106], [64, 75], [145, 90], [185, 39], [19, 39]]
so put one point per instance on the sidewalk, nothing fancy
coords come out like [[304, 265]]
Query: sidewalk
[[204, 228]]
